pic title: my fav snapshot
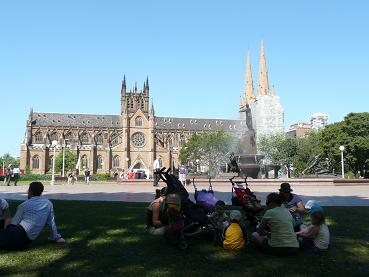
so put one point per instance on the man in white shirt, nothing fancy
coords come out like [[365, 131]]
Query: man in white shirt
[[4, 213], [156, 169], [16, 173], [31, 217]]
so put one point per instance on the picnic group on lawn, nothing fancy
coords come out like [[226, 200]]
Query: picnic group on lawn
[[280, 231]]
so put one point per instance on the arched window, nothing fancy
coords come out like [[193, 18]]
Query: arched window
[[116, 161], [84, 138], [38, 137], [35, 162], [53, 136], [99, 139], [99, 162], [68, 138], [138, 121], [84, 161], [131, 103]]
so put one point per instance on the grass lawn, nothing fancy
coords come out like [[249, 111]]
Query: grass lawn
[[108, 239]]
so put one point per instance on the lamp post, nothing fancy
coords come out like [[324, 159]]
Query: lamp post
[[342, 148], [65, 145], [53, 144]]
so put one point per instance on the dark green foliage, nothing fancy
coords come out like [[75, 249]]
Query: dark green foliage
[[70, 161], [353, 133]]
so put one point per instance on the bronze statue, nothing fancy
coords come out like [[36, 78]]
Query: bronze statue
[[233, 165]]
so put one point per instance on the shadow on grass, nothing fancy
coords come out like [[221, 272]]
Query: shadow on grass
[[108, 239]]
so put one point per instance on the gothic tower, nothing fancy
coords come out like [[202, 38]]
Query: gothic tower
[[135, 99]]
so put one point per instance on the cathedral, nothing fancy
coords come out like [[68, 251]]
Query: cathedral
[[133, 139]]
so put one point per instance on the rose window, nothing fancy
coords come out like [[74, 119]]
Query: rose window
[[138, 139]]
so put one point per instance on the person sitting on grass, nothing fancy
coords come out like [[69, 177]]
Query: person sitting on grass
[[154, 225], [293, 203], [315, 237], [275, 234], [234, 236], [5, 217], [219, 220], [29, 220]]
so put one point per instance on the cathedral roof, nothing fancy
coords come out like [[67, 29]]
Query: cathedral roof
[[199, 124], [76, 120], [113, 121]]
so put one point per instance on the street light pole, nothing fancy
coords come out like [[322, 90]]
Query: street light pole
[[54, 144], [342, 148], [65, 145]]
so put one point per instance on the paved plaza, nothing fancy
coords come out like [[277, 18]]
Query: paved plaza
[[327, 195]]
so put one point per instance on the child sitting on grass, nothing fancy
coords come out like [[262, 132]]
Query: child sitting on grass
[[234, 237], [219, 216], [315, 237], [219, 220]]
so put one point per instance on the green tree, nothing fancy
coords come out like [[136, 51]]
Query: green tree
[[9, 159], [280, 149], [353, 133], [70, 161], [211, 148]]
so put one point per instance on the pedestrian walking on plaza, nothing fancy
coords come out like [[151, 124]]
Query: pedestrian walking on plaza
[[87, 176], [8, 175], [16, 173], [182, 174], [70, 177], [156, 170]]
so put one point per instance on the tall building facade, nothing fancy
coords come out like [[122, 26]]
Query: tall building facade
[[267, 111], [133, 139], [319, 120]]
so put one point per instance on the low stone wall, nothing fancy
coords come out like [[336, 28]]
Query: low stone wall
[[265, 182]]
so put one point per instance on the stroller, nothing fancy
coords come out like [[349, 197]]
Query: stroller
[[243, 196], [205, 198], [184, 218]]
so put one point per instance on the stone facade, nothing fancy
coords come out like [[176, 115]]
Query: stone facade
[[132, 139], [106, 143]]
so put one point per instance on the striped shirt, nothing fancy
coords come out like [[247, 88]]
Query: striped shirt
[[33, 215]]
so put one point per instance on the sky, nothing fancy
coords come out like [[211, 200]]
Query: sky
[[71, 56]]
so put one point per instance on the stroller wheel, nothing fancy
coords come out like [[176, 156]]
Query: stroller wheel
[[182, 245]]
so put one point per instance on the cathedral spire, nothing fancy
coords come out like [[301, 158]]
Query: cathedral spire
[[152, 111], [263, 83], [147, 88], [249, 94], [124, 89]]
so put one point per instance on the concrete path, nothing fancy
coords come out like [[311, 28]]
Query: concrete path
[[134, 192]]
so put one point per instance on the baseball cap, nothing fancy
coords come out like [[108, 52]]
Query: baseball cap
[[316, 208]]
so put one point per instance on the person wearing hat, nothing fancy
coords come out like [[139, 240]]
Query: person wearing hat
[[293, 203], [275, 234], [315, 237], [234, 236]]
